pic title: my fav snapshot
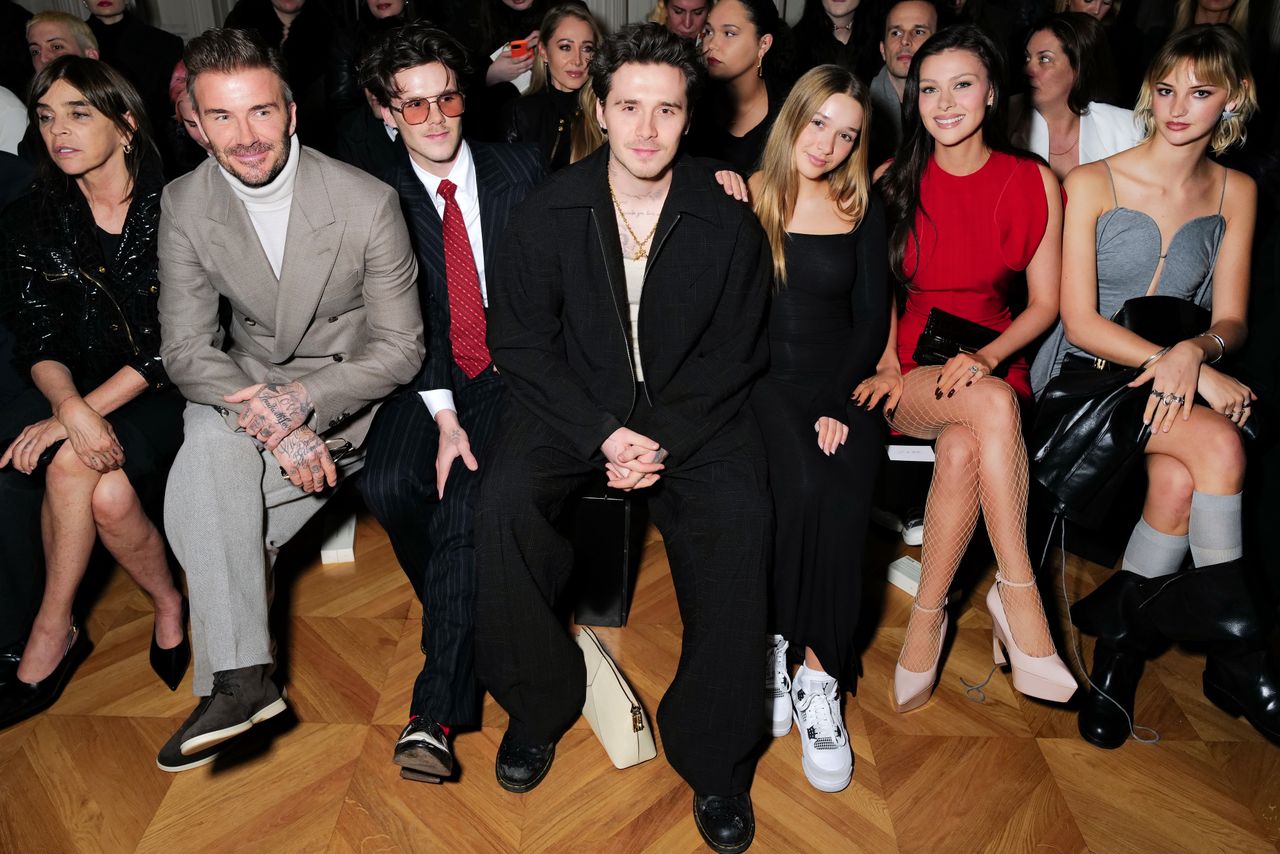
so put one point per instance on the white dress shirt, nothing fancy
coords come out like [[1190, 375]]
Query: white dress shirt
[[463, 174]]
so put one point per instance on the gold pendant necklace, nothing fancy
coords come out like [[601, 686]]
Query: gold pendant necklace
[[642, 246]]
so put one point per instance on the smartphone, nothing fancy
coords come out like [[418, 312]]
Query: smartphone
[[520, 49]]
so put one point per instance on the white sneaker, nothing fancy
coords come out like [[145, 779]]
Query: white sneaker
[[777, 686], [826, 756], [913, 527]]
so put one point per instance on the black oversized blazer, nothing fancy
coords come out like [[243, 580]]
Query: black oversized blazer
[[559, 327], [504, 176]]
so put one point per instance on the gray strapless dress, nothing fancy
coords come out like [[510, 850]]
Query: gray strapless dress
[[1128, 245]]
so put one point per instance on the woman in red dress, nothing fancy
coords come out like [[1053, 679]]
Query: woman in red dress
[[967, 217]]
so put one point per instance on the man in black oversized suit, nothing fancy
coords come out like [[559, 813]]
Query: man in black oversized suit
[[626, 319], [428, 440]]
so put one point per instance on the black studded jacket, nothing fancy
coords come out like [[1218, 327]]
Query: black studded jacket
[[65, 300]]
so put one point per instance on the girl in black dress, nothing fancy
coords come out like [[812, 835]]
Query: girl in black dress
[[827, 326]]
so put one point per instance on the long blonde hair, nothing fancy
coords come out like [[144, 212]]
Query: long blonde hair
[[550, 21], [1238, 20], [779, 185], [585, 136], [1220, 58]]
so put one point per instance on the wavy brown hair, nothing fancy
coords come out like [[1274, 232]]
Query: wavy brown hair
[[779, 185]]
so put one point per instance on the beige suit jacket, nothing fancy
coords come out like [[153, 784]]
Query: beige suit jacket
[[343, 318]]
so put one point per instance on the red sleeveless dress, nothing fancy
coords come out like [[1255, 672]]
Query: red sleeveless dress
[[976, 233]]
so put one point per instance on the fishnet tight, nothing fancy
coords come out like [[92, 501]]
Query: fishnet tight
[[982, 462]]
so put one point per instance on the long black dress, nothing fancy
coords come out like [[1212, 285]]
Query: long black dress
[[827, 329]]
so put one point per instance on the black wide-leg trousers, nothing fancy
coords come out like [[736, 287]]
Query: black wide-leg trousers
[[715, 517]]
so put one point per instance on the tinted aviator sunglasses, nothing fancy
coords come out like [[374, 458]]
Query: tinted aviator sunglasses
[[418, 110]]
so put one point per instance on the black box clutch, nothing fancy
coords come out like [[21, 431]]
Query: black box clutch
[[945, 335]]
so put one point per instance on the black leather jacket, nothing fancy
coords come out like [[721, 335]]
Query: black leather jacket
[[70, 303], [545, 119]]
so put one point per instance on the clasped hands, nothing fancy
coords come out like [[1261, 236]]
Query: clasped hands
[[91, 437], [633, 460], [275, 414]]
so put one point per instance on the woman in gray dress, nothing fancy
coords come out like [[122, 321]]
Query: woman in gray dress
[[1163, 218]]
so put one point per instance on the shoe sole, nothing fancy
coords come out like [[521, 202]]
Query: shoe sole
[[913, 704], [421, 761], [781, 728], [419, 777], [913, 536], [209, 739], [822, 780], [726, 849], [521, 788], [174, 769]]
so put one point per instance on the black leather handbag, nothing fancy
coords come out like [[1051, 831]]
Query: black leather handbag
[[945, 335], [1088, 433]]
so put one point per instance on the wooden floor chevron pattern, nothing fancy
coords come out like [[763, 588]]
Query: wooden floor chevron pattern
[[1004, 774]]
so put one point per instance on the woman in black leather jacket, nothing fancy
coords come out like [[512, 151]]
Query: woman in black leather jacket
[[549, 113], [79, 264], [375, 19]]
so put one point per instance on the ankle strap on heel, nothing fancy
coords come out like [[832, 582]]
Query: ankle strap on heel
[[916, 606], [1000, 579]]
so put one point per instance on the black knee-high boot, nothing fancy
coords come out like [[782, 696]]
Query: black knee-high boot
[[1123, 646], [1224, 607]]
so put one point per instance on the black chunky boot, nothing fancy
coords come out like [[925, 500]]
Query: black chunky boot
[[1125, 639], [1224, 608]]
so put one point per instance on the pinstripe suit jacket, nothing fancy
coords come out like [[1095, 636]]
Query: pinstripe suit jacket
[[504, 176]]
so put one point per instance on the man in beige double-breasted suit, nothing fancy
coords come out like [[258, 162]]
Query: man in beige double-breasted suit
[[314, 261]]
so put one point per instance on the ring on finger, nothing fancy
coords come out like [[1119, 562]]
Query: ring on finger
[[1157, 394], [974, 369]]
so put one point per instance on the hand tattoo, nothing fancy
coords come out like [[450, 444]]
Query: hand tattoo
[[288, 403], [299, 445]]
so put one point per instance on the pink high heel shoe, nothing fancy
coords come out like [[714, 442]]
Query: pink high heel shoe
[[911, 690], [1045, 677]]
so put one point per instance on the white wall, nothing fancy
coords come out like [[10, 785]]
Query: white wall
[[191, 17]]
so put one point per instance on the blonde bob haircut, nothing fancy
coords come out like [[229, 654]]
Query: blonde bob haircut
[[779, 185], [1220, 58]]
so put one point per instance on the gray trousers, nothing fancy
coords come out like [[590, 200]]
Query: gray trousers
[[227, 513]]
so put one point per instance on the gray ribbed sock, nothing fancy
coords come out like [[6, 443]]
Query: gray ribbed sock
[[1216, 530], [1153, 553]]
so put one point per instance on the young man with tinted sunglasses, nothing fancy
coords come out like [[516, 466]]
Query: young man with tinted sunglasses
[[428, 443]]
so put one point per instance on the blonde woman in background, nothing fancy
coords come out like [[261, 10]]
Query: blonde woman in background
[[549, 114]]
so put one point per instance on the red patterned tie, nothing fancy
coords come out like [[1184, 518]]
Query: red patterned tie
[[466, 310]]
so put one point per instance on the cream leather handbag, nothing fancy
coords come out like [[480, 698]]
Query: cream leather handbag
[[612, 708]]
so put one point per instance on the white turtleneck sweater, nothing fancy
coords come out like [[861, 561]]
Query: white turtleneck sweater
[[268, 206]]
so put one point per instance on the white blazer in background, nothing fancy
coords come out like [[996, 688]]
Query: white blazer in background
[[1104, 130]]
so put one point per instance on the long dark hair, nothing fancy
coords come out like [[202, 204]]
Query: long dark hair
[[900, 184], [106, 90]]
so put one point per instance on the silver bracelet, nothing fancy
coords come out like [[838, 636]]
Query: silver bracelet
[[1156, 355], [1222, 345]]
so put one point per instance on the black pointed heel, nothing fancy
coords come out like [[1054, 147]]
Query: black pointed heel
[[20, 700], [171, 664]]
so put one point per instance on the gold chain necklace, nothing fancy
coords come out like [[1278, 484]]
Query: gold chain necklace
[[642, 246]]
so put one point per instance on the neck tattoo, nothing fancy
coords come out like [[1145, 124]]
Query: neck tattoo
[[642, 246]]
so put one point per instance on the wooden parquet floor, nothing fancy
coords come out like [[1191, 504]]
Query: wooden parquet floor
[[1006, 774]]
